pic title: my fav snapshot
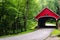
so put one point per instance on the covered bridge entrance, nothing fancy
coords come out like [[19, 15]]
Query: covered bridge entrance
[[45, 15]]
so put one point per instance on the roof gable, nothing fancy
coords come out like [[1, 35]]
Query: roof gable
[[47, 13]]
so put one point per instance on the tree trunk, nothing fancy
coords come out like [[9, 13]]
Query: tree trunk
[[25, 23]]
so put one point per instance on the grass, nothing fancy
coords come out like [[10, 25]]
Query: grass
[[28, 31], [25, 32], [55, 32]]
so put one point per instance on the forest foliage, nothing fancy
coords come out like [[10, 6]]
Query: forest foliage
[[18, 15]]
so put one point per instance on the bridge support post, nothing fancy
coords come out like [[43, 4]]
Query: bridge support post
[[56, 24]]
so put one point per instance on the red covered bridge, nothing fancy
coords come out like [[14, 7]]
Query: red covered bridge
[[45, 15]]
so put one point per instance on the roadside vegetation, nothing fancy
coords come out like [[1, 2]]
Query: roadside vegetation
[[25, 32], [55, 32]]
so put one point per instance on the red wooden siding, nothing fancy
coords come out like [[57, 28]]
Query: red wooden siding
[[47, 12]]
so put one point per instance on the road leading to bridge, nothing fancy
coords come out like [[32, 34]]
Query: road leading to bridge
[[40, 34]]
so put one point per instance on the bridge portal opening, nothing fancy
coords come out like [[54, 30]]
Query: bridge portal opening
[[47, 22]]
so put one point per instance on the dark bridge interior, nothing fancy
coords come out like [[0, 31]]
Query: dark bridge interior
[[42, 21]]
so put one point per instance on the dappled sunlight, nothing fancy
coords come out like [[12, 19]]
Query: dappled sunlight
[[50, 24]]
